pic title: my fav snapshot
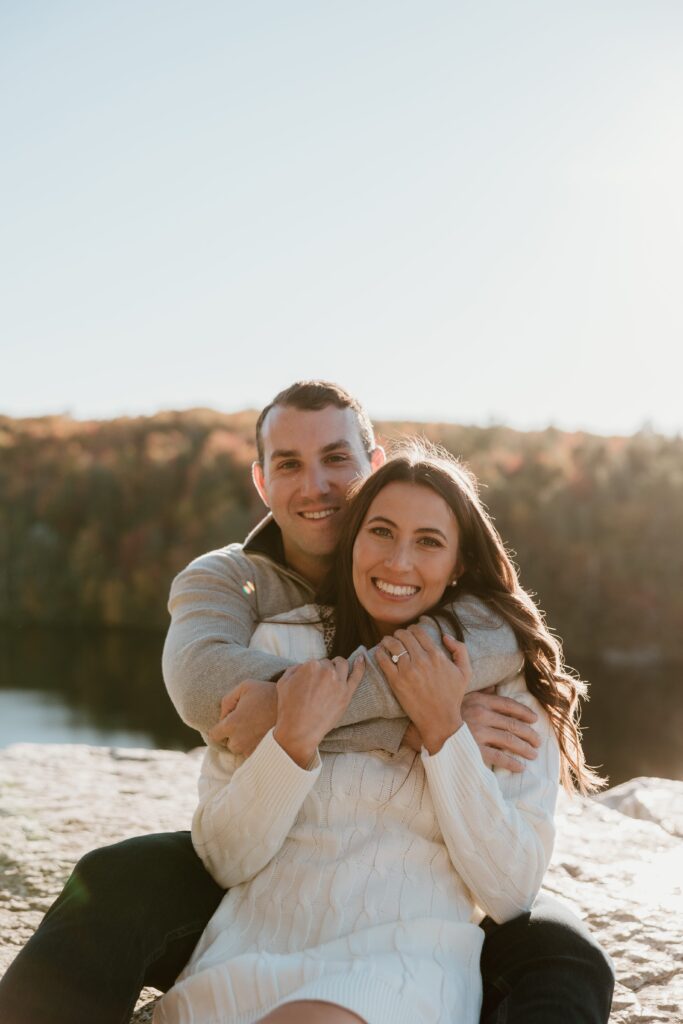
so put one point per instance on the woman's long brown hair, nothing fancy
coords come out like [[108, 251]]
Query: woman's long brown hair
[[487, 573]]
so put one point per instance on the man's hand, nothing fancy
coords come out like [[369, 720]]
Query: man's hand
[[247, 713], [501, 727], [493, 721]]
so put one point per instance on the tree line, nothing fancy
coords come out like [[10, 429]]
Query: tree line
[[97, 517]]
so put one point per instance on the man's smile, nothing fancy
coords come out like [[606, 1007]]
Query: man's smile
[[323, 513]]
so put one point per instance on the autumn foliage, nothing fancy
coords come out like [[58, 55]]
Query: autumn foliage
[[97, 517]]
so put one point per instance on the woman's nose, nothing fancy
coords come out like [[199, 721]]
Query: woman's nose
[[400, 558]]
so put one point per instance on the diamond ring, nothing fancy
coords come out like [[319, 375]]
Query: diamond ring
[[395, 657]]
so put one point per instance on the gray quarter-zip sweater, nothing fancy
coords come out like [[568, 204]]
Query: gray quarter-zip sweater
[[216, 604]]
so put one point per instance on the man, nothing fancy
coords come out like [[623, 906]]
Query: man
[[131, 914]]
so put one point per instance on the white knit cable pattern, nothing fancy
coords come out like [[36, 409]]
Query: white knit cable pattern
[[356, 881]]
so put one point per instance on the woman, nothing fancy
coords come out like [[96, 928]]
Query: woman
[[355, 879]]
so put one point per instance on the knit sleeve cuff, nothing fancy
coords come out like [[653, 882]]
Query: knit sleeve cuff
[[457, 769], [277, 782]]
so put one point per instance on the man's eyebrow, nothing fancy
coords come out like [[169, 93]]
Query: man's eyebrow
[[341, 443], [284, 453], [292, 453], [420, 529]]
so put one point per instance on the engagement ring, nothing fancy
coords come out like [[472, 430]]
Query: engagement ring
[[395, 657]]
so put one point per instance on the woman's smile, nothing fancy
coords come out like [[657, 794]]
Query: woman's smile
[[395, 590]]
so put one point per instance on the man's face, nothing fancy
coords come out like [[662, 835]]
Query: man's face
[[310, 457]]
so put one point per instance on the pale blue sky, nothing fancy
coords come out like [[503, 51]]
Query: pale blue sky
[[466, 211]]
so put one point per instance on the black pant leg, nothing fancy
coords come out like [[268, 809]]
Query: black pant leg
[[545, 968], [129, 916]]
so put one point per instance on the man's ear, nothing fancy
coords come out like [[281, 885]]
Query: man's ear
[[377, 458], [259, 481]]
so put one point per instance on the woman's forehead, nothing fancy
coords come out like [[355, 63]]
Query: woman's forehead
[[412, 505]]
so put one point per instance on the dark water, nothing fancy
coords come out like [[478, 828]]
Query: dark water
[[104, 687]]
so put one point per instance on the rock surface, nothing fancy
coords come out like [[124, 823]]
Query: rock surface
[[618, 859]]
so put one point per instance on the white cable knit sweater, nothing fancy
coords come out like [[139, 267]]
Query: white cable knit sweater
[[358, 880]]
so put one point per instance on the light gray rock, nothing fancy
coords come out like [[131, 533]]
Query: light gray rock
[[616, 865], [658, 800]]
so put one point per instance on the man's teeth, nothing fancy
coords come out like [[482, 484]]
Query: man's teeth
[[319, 515], [395, 591]]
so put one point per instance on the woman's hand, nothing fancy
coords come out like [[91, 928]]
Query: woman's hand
[[428, 680], [311, 699]]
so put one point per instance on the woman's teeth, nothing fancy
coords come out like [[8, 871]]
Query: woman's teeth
[[319, 515], [395, 591]]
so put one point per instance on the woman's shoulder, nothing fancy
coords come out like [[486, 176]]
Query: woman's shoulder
[[304, 615], [296, 634]]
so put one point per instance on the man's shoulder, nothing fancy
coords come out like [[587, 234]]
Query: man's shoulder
[[228, 578], [233, 563], [221, 560]]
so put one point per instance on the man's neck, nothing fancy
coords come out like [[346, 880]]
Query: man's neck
[[313, 568]]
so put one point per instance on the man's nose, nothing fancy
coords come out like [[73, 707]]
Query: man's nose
[[314, 482]]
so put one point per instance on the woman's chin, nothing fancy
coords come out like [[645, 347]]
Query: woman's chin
[[387, 621]]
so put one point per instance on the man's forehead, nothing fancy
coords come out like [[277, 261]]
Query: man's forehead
[[288, 430]]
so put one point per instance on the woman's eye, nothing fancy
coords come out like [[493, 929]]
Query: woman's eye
[[430, 542], [380, 531]]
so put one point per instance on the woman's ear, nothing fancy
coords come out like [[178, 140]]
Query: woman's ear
[[457, 573]]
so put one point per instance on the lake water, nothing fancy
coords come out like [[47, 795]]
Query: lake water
[[104, 687]]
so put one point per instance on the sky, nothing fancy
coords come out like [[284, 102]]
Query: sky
[[459, 211]]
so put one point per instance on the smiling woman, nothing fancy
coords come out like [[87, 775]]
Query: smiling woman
[[417, 537]]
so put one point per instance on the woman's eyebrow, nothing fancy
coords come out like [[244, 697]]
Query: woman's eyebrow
[[432, 529], [420, 529], [382, 519]]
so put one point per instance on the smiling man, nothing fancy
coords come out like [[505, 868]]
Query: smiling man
[[307, 460], [131, 914]]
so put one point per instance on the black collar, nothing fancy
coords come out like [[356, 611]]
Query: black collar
[[266, 539]]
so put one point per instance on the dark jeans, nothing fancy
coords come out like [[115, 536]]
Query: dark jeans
[[131, 914]]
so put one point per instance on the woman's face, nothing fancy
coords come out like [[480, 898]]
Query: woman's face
[[405, 554]]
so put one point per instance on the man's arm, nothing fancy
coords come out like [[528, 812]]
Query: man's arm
[[215, 605], [501, 727], [491, 644]]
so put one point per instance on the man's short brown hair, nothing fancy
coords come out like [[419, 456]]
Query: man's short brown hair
[[314, 395]]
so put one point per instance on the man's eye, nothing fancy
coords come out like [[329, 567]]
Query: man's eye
[[289, 464], [337, 458]]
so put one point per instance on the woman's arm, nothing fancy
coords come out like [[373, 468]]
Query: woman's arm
[[497, 825], [247, 807]]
